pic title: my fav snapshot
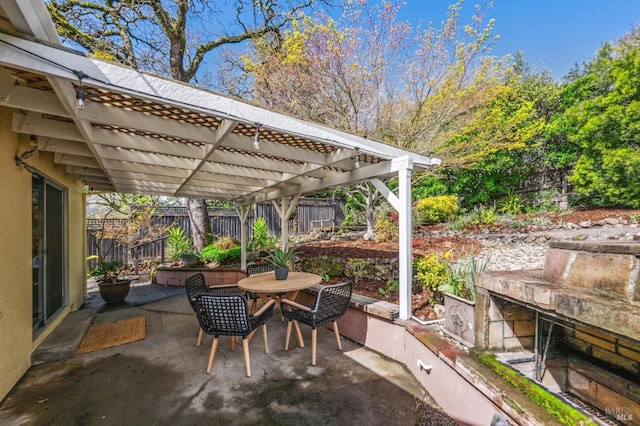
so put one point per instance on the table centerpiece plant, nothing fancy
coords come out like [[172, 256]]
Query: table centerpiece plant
[[281, 259]]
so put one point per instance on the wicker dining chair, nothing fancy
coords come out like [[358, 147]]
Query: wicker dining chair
[[195, 286], [258, 268], [228, 315], [331, 304]]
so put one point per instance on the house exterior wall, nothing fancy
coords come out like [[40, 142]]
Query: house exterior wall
[[16, 335]]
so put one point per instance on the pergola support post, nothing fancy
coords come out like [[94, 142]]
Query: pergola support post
[[243, 212], [402, 204], [405, 248], [284, 207]]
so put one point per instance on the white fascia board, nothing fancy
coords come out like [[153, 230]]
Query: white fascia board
[[31, 17], [126, 80]]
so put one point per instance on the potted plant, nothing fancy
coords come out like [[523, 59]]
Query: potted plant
[[189, 259], [180, 248], [112, 288], [281, 259]]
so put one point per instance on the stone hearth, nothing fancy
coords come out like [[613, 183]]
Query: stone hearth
[[582, 308]]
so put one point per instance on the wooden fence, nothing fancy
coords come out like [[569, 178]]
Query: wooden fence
[[310, 213]]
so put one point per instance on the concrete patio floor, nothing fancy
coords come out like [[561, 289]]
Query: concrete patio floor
[[161, 380]]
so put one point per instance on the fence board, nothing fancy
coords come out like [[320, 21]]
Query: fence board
[[224, 222]]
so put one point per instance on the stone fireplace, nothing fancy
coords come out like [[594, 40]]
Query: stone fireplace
[[573, 326]]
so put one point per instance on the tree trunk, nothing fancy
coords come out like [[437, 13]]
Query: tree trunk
[[200, 225]]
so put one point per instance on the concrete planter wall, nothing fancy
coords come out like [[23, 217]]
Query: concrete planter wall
[[459, 318]]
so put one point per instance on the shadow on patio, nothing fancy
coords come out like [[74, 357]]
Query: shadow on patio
[[162, 380]]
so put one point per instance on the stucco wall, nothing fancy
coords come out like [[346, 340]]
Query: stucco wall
[[16, 336]]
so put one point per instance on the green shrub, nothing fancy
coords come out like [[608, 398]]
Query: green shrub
[[177, 242], [512, 204], [462, 276], [358, 268], [479, 216], [431, 271], [212, 253], [392, 285], [435, 209], [226, 243], [261, 239], [385, 230], [353, 217], [325, 266]]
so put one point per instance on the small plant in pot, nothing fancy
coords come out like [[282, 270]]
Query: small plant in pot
[[180, 247], [281, 259], [112, 288]]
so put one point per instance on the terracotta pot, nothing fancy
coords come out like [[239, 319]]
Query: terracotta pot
[[114, 292], [281, 273]]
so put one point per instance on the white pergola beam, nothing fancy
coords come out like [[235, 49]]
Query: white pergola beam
[[148, 158], [152, 170], [230, 178]]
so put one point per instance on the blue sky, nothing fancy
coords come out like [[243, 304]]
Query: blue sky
[[552, 34]]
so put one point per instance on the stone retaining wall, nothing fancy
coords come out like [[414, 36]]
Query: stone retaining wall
[[373, 268]]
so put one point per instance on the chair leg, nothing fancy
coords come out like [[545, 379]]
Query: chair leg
[[200, 332], [335, 330], [279, 308], [286, 340], [250, 336], [298, 334], [214, 346], [314, 335], [233, 343], [247, 360], [264, 337]]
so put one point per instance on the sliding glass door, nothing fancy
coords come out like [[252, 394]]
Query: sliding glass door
[[48, 250]]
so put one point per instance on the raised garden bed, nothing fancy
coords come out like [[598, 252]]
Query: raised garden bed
[[213, 277]]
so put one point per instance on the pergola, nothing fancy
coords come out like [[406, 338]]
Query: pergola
[[139, 133]]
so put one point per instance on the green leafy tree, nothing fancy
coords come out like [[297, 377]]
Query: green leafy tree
[[602, 125], [369, 73]]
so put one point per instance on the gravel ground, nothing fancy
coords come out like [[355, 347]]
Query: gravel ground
[[526, 251]]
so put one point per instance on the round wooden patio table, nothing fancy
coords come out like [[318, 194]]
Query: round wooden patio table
[[266, 284]]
